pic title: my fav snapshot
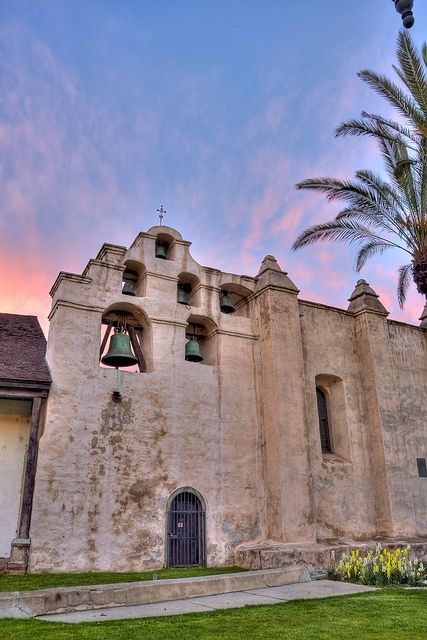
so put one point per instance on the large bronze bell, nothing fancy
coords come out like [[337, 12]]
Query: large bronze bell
[[225, 303], [192, 350], [119, 352], [128, 288], [182, 295], [161, 251]]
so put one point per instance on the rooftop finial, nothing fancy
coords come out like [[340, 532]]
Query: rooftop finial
[[161, 212]]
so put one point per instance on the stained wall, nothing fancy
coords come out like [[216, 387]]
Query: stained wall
[[241, 428], [106, 470]]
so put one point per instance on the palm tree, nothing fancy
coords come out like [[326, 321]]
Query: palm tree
[[379, 213]]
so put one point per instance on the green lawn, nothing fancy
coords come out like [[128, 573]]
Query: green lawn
[[389, 614], [33, 581]]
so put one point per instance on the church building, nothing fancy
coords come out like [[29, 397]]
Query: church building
[[191, 416]]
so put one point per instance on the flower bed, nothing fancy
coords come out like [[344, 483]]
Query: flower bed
[[378, 567]]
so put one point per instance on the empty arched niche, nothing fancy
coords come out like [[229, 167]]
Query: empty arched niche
[[127, 318], [201, 345], [235, 296], [188, 291], [134, 279], [165, 246]]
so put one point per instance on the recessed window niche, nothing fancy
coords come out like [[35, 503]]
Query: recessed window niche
[[332, 416]]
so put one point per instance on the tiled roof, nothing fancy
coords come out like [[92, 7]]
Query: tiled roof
[[22, 350]]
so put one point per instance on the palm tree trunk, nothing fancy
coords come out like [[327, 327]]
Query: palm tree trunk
[[419, 273]]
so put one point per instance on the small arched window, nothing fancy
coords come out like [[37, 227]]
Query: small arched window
[[322, 409]]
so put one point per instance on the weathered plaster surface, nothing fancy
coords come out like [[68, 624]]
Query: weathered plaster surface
[[241, 428], [14, 431]]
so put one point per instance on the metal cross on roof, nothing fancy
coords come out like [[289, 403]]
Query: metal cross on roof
[[161, 212]]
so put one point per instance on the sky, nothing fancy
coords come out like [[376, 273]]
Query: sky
[[109, 109]]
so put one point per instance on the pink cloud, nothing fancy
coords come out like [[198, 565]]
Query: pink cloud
[[24, 285]]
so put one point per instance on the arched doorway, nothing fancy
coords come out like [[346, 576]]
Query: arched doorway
[[185, 539]]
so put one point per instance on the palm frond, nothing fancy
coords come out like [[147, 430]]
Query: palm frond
[[396, 97], [387, 196], [340, 230], [368, 250], [411, 70], [357, 194], [390, 126], [391, 214], [360, 197], [372, 126], [403, 283]]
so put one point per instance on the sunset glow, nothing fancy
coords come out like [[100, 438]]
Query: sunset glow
[[214, 110]]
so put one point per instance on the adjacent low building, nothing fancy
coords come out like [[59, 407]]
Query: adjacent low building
[[24, 386]]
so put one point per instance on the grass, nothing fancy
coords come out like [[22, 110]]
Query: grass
[[33, 581], [388, 614]]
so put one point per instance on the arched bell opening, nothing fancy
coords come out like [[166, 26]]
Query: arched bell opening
[[126, 320], [188, 290], [201, 345], [133, 282], [186, 529], [234, 299], [165, 249]]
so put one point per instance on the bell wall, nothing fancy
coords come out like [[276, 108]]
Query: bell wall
[[107, 469]]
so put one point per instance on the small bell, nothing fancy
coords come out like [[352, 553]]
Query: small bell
[[127, 289], [225, 303], [192, 350], [119, 352], [182, 296], [161, 251]]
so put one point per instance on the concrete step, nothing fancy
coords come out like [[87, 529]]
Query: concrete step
[[206, 604], [26, 604]]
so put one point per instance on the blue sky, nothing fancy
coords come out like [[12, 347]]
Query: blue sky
[[109, 109]]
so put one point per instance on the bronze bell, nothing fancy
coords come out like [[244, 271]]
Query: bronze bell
[[225, 303], [127, 289], [161, 251], [182, 296], [192, 350], [119, 352]]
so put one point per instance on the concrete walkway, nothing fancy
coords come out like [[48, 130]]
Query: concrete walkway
[[266, 595]]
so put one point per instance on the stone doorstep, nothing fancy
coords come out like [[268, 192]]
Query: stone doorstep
[[315, 556], [26, 604]]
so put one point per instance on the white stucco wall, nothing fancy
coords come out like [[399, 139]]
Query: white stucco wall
[[14, 432]]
